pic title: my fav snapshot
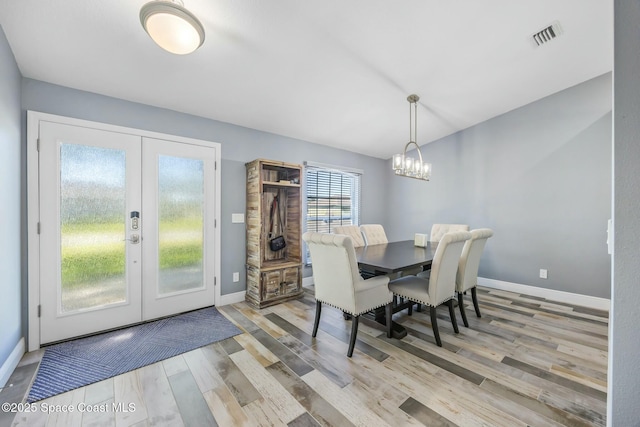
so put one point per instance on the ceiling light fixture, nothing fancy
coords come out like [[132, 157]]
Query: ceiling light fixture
[[408, 166], [171, 26]]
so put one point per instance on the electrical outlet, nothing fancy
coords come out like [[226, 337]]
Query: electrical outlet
[[543, 273], [236, 277]]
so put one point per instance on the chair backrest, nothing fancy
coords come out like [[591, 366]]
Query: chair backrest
[[335, 269], [352, 231], [439, 230], [373, 234], [470, 259], [444, 268]]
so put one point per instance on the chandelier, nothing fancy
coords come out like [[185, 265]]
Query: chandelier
[[408, 166]]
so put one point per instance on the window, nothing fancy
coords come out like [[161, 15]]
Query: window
[[332, 198]]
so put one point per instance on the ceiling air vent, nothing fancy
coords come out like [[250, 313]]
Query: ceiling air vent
[[547, 34]]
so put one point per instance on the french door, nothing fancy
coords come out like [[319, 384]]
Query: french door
[[126, 229]]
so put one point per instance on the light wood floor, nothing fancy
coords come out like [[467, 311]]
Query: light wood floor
[[527, 361]]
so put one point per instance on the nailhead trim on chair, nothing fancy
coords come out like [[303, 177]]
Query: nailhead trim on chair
[[349, 311]]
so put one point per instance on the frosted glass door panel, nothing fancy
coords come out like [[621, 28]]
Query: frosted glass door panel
[[92, 227], [180, 224], [90, 269]]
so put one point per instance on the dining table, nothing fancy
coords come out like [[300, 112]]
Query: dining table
[[394, 257], [391, 259]]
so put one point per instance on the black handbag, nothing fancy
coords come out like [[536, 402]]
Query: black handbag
[[276, 243]]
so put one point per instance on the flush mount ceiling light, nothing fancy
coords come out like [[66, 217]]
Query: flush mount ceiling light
[[408, 166], [171, 26]]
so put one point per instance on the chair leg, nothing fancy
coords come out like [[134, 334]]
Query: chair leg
[[452, 314], [434, 325], [388, 310], [317, 321], [410, 309], [474, 296], [462, 312], [354, 332]]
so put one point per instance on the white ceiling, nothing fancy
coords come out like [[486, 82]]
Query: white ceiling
[[333, 72]]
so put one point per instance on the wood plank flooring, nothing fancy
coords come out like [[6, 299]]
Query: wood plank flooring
[[527, 362]]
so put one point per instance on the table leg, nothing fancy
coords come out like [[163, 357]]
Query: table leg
[[397, 330]]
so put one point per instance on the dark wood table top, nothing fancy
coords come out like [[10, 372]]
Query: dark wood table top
[[395, 256]]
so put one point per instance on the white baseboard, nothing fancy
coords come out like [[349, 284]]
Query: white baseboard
[[550, 294], [307, 281], [10, 364], [231, 298]]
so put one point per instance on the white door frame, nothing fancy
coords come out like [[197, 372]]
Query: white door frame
[[33, 209]]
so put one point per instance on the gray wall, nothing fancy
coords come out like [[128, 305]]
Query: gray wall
[[624, 339], [239, 145], [540, 176], [10, 202]]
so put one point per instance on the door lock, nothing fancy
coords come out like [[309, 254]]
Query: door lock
[[135, 220]]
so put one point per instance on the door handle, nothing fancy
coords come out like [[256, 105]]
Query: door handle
[[135, 239]]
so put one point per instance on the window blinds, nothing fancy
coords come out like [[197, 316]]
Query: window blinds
[[332, 198]]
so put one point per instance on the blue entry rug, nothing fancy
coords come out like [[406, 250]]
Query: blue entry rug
[[84, 361]]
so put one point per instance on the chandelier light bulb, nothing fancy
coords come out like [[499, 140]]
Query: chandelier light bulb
[[408, 166]]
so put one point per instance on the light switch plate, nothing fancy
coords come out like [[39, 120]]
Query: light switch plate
[[237, 218]]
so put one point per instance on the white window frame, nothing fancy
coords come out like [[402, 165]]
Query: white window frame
[[356, 194]]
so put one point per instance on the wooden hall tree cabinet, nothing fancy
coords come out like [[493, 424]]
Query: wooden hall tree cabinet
[[273, 276]]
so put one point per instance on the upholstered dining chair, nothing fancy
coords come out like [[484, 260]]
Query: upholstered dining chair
[[467, 278], [439, 230], [352, 231], [338, 283], [373, 234], [439, 287]]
